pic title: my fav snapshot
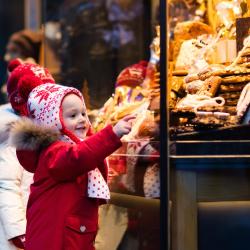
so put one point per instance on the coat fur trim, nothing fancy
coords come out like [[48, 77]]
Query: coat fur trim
[[27, 135]]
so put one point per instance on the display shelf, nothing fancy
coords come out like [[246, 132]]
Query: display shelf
[[206, 171], [237, 132]]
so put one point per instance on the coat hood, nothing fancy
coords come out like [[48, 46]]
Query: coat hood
[[25, 134], [29, 139], [45, 107]]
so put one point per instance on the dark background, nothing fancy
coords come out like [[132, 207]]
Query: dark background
[[11, 20]]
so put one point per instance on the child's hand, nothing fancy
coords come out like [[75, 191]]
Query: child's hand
[[124, 126]]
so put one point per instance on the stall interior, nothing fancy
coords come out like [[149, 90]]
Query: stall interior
[[208, 83], [209, 65]]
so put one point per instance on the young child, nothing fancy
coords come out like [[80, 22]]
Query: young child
[[69, 167]]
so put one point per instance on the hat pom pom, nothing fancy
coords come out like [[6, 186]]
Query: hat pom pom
[[26, 84], [143, 63], [13, 64]]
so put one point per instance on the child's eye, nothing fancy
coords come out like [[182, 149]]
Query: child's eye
[[73, 116], [83, 114]]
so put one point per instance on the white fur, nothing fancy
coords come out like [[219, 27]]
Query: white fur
[[27, 135]]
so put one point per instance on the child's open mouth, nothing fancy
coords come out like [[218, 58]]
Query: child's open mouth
[[81, 128]]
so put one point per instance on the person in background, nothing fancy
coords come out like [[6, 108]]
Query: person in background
[[68, 163], [25, 45], [126, 39], [85, 52], [14, 180]]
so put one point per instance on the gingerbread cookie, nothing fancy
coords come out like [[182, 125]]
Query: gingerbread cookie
[[231, 87], [226, 109], [243, 59], [246, 52], [231, 95], [246, 65], [190, 78], [180, 72], [236, 79], [210, 86], [231, 102]]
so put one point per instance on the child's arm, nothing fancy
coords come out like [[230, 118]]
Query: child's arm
[[66, 162]]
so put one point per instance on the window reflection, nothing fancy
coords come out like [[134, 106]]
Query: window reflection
[[92, 41]]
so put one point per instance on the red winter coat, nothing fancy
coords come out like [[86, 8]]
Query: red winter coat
[[59, 214]]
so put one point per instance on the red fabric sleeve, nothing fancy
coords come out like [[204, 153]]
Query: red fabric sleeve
[[66, 162]]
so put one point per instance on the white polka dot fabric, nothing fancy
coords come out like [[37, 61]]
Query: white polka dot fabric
[[151, 183], [97, 186], [133, 151]]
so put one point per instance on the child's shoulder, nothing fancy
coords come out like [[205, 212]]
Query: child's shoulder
[[27, 135]]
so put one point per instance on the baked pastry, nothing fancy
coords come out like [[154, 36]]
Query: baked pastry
[[224, 109], [231, 102], [204, 75], [177, 83], [210, 86], [216, 120], [180, 72], [149, 128], [246, 52], [231, 87], [194, 86], [188, 30], [244, 59], [191, 77], [245, 64], [223, 72], [231, 95], [236, 79], [126, 109], [191, 29]]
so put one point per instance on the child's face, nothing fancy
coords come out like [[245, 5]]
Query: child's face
[[74, 115]]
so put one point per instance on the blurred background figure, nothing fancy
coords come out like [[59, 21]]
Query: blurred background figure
[[126, 38], [93, 41], [85, 52], [25, 45]]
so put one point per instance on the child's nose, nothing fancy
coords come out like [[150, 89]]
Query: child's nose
[[82, 118]]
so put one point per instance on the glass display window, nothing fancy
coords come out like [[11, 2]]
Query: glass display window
[[109, 50]]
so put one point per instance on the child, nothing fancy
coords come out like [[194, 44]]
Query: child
[[69, 167]]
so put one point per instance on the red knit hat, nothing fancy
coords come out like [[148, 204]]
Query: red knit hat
[[133, 75], [24, 74]]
